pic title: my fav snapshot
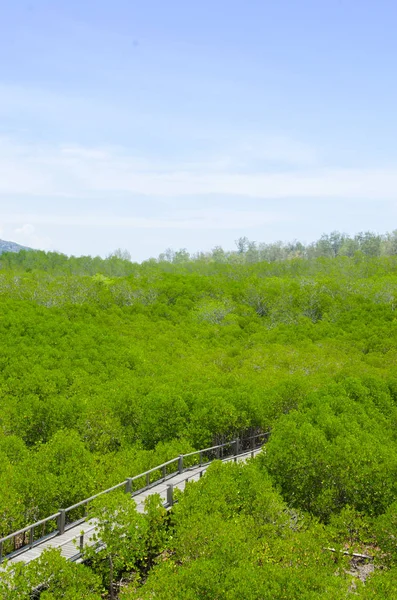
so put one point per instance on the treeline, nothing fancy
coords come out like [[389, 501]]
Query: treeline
[[328, 246], [119, 263]]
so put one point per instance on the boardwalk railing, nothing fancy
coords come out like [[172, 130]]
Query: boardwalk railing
[[66, 518]]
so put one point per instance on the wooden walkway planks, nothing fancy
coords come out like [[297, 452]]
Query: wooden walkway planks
[[70, 541]]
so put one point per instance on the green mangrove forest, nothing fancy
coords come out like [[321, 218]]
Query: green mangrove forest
[[109, 368]]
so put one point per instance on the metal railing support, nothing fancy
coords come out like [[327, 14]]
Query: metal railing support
[[128, 486]]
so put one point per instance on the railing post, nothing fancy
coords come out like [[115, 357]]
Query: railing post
[[147, 479], [61, 521], [201, 458], [252, 446], [31, 536], [170, 494], [180, 463], [236, 448], [81, 543], [128, 486], [1, 552]]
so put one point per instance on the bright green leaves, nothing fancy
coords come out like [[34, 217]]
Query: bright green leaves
[[336, 451], [120, 537], [53, 575], [233, 537], [125, 542], [165, 419]]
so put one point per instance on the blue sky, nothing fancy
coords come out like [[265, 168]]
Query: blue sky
[[147, 125]]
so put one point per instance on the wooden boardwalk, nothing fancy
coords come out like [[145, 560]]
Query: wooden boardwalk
[[72, 541]]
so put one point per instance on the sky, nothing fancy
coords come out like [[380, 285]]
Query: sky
[[151, 124]]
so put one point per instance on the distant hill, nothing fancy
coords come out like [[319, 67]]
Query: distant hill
[[11, 247]]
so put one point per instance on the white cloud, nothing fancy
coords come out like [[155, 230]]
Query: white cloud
[[77, 171], [27, 229], [174, 219], [27, 235]]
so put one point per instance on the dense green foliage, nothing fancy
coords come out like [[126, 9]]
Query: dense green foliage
[[234, 537], [108, 368], [52, 578]]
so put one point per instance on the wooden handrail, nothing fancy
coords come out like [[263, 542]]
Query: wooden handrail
[[61, 514]]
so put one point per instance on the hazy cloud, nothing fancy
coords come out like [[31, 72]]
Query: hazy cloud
[[172, 219], [27, 236], [78, 171], [27, 229]]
